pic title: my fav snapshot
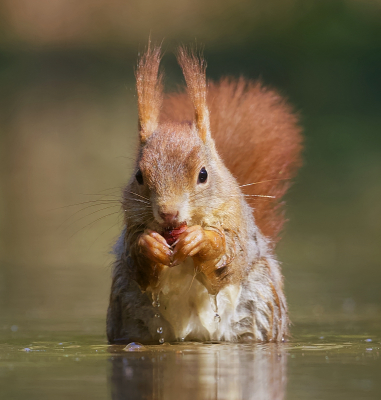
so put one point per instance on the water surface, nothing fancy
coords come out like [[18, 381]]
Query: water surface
[[315, 364]]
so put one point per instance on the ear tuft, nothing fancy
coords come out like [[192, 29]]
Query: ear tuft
[[194, 68], [149, 86]]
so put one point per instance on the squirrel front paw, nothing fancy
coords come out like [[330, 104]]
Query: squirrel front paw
[[204, 245], [153, 246]]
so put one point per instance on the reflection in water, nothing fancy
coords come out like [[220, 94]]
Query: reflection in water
[[199, 371]]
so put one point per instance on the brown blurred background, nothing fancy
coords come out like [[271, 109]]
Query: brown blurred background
[[68, 129]]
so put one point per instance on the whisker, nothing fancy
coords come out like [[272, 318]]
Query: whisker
[[137, 227], [116, 187], [138, 215], [209, 196], [87, 215], [112, 226], [260, 195], [97, 194], [136, 211], [86, 226], [140, 196], [142, 201], [86, 202], [196, 194], [269, 180], [84, 208]]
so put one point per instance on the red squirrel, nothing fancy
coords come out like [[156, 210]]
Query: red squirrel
[[202, 211]]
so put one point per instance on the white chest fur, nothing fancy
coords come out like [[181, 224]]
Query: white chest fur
[[190, 310]]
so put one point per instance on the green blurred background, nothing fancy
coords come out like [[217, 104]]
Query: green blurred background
[[68, 131]]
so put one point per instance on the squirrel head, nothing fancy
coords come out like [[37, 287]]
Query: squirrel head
[[179, 177]]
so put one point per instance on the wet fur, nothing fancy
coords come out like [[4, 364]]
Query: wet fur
[[251, 136]]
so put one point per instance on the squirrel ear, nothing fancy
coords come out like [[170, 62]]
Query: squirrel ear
[[149, 86], [194, 72]]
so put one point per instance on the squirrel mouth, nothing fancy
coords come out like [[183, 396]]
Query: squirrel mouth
[[172, 233], [172, 225]]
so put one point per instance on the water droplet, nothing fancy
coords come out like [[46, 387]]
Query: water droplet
[[134, 346], [213, 302], [182, 339], [160, 329], [161, 340], [157, 315], [155, 299], [217, 318]]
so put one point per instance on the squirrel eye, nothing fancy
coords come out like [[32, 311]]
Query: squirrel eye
[[139, 177], [202, 176]]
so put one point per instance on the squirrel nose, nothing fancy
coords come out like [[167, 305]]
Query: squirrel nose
[[169, 217]]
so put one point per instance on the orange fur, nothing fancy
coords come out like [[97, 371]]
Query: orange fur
[[194, 73], [149, 88], [257, 137], [259, 140]]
